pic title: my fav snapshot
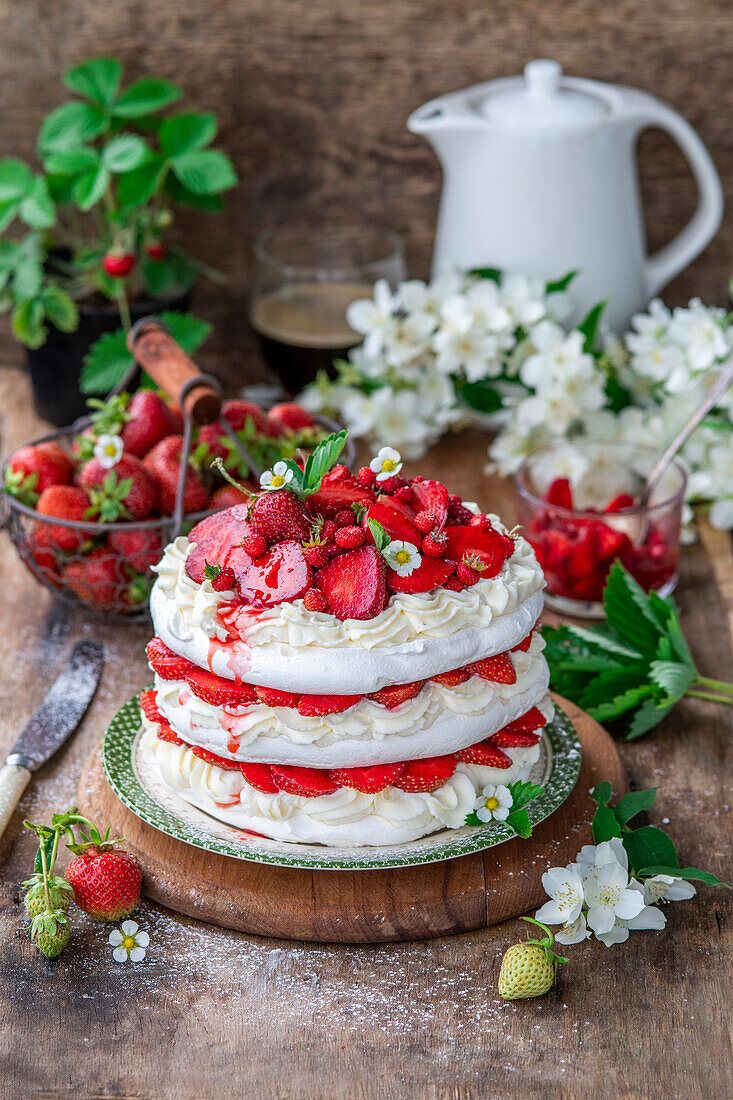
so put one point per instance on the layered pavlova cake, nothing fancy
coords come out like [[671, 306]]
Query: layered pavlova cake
[[347, 660]]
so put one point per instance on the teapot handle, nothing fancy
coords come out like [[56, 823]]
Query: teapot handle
[[702, 226]]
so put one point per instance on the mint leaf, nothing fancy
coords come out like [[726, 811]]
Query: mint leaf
[[690, 874], [144, 96], [380, 536], [649, 846], [97, 79], [634, 803]]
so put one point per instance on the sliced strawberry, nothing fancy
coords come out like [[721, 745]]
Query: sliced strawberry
[[431, 573], [167, 664], [368, 780], [259, 777], [313, 705], [168, 734], [218, 691], [212, 758], [499, 669], [421, 776], [306, 782], [149, 707], [336, 494], [534, 719], [522, 646], [396, 694], [279, 575], [485, 543], [274, 697], [395, 523], [485, 754], [453, 678], [623, 500], [354, 584], [214, 537], [505, 740], [559, 493], [431, 496], [398, 505]]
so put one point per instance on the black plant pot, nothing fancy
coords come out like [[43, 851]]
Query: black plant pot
[[55, 366]]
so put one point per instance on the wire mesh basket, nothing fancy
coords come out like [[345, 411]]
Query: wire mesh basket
[[105, 568]]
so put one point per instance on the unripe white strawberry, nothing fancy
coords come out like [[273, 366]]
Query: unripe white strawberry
[[528, 969]]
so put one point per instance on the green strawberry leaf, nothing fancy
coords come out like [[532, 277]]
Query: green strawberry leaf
[[108, 360], [620, 704], [144, 96], [184, 132], [673, 678], [523, 792], [16, 179], [646, 718], [97, 79], [519, 821], [380, 536], [205, 171], [628, 611], [91, 186], [319, 462], [69, 126], [124, 153]]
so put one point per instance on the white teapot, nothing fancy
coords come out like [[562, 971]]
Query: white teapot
[[540, 177]]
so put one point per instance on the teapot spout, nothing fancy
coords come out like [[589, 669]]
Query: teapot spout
[[447, 113]]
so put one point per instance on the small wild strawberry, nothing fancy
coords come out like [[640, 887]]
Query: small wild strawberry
[[367, 476], [453, 584], [348, 538], [528, 969], [255, 545], [434, 546], [424, 521], [316, 556], [405, 494], [118, 265], [390, 485], [314, 600], [344, 518]]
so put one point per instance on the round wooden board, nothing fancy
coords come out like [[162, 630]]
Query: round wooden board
[[413, 903]]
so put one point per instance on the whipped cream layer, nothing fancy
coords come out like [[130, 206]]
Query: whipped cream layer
[[346, 817], [439, 720], [289, 647]]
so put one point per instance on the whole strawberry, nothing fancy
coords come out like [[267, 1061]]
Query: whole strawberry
[[60, 894], [163, 462], [34, 468], [126, 491], [106, 880], [528, 969], [279, 515], [50, 931], [149, 420]]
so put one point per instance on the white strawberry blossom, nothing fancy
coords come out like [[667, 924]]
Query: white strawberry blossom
[[494, 803], [276, 478], [386, 464], [128, 942], [403, 557], [108, 450]]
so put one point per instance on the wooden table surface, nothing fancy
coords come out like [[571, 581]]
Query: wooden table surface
[[212, 1013]]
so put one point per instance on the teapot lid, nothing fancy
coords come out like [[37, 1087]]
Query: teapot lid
[[542, 100]]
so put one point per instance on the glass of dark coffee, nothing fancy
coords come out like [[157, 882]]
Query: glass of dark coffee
[[304, 281]]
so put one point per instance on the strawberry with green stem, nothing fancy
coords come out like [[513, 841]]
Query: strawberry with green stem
[[529, 969], [106, 879], [48, 896]]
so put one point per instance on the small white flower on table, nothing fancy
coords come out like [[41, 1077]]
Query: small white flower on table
[[388, 463], [129, 943], [403, 557], [108, 450], [565, 888], [494, 803], [607, 893], [647, 918], [574, 931], [667, 888], [276, 478]]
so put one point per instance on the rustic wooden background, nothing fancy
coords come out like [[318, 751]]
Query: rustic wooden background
[[313, 99]]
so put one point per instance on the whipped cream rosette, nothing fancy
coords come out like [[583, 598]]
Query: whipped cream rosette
[[346, 660]]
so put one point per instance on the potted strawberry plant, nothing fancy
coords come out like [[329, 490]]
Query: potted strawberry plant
[[94, 249]]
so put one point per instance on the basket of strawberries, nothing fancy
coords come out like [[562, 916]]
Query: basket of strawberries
[[90, 507]]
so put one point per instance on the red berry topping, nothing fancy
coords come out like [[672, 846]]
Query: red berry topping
[[313, 705], [623, 500], [368, 780], [457, 514], [280, 575], [328, 530], [434, 546], [316, 556], [431, 496], [305, 782], [354, 584], [467, 575], [149, 707], [213, 759], [431, 573], [279, 515], [167, 664], [391, 485], [499, 669], [425, 522], [215, 538], [491, 547], [452, 678], [405, 494], [259, 777], [453, 584], [336, 495], [344, 518], [394, 521], [224, 580], [485, 754], [396, 694], [367, 477], [534, 719], [255, 545], [421, 776], [220, 692], [314, 600], [505, 740], [348, 538], [522, 646]]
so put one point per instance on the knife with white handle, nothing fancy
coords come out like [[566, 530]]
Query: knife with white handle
[[57, 717]]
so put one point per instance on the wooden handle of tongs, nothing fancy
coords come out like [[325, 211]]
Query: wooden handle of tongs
[[172, 369]]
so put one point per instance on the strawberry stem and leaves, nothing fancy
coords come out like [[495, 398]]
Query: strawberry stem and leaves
[[108, 500], [546, 942], [634, 667], [49, 925], [22, 486], [380, 536], [308, 480], [650, 850]]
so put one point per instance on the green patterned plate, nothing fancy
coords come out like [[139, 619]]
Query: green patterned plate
[[138, 786]]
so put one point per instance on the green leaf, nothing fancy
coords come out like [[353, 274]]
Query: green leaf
[[8, 210], [596, 636], [523, 792], [605, 824], [37, 210], [177, 193], [647, 717], [560, 284], [628, 612], [124, 153], [320, 461], [602, 793], [613, 682], [519, 821], [481, 396], [27, 323], [90, 187], [144, 96], [183, 132], [589, 326], [60, 308], [672, 677], [649, 846], [108, 360], [175, 271], [38, 863], [205, 171], [620, 704], [634, 803], [380, 536], [139, 186], [28, 276], [16, 179], [493, 273], [188, 331], [69, 126], [97, 79], [70, 162], [690, 874]]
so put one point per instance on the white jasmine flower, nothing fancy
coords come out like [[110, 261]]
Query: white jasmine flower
[[699, 331], [667, 888], [609, 851], [403, 557], [565, 888], [494, 803], [721, 514], [607, 894], [357, 410], [128, 943], [647, 918], [276, 478], [108, 450], [574, 932], [372, 316], [524, 299], [398, 422], [387, 463], [406, 340]]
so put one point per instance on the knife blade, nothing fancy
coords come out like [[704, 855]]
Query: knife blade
[[55, 719]]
